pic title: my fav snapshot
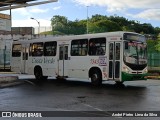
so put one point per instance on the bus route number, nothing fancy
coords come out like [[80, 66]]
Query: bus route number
[[94, 61], [102, 61]]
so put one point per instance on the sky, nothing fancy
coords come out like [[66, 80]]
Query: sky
[[144, 11]]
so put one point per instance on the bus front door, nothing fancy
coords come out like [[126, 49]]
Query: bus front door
[[114, 60], [24, 59], [63, 61]]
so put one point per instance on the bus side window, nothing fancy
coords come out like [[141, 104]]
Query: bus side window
[[16, 50], [97, 46], [79, 47], [63, 53], [92, 48], [50, 48], [117, 51], [37, 49], [111, 51]]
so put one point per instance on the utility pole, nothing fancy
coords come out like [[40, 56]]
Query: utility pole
[[38, 26], [87, 19]]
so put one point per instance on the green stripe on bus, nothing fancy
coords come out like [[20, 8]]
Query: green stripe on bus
[[132, 77]]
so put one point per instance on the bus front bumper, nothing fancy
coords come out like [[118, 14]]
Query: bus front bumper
[[133, 77]]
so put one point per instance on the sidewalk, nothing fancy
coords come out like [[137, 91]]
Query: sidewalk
[[8, 79]]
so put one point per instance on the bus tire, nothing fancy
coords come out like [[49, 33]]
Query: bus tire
[[45, 77], [96, 77], [38, 74]]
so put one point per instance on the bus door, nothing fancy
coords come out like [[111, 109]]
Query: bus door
[[114, 60], [24, 59], [63, 60]]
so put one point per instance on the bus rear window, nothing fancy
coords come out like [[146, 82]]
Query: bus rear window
[[16, 50]]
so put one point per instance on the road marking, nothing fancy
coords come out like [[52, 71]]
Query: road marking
[[92, 107], [32, 83], [106, 113]]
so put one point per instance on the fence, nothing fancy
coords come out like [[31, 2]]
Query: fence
[[38, 30], [5, 59], [5, 52], [154, 62]]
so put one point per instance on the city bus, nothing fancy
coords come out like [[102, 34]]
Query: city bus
[[116, 56]]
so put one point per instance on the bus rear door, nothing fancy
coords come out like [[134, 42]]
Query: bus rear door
[[16, 58], [63, 60], [114, 60], [24, 59]]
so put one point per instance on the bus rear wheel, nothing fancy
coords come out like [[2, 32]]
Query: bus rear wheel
[[96, 78], [39, 75]]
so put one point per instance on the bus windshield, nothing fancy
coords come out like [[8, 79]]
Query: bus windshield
[[135, 53]]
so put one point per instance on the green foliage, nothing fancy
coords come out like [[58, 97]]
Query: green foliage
[[151, 45], [103, 26], [100, 23], [157, 46]]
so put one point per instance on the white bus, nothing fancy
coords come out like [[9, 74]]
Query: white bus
[[117, 56]]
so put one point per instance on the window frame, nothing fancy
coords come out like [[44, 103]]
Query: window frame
[[95, 50], [19, 51], [80, 46], [36, 52], [50, 52]]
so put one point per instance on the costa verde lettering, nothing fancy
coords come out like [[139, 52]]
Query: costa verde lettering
[[49, 61], [37, 60], [45, 60]]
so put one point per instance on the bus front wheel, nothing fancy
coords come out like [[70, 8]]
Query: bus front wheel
[[96, 78]]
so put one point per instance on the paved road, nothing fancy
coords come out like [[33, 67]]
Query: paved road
[[81, 96]]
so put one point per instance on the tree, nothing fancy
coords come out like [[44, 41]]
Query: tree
[[97, 17], [100, 23], [157, 31], [121, 21], [151, 46], [59, 23], [103, 26], [147, 28], [157, 45], [77, 27]]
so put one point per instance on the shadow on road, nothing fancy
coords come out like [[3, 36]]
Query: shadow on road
[[77, 84]]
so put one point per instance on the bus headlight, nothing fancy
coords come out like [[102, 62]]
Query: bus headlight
[[126, 70], [145, 70]]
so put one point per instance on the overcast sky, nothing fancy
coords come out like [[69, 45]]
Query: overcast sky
[[144, 11]]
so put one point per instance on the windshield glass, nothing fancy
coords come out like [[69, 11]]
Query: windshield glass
[[135, 53]]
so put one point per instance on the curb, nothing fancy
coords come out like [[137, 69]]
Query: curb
[[7, 80], [8, 72], [11, 84], [153, 77]]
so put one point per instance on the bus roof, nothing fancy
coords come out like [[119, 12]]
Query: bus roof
[[71, 37]]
